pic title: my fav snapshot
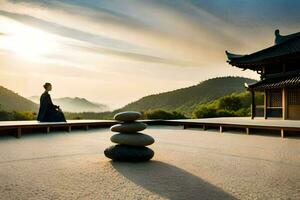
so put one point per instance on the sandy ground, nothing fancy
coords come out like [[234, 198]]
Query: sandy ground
[[188, 164]]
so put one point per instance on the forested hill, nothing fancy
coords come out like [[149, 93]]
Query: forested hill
[[11, 101], [186, 99]]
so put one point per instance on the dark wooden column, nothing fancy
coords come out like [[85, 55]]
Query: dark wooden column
[[253, 106], [265, 104]]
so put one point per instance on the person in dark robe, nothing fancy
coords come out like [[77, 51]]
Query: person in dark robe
[[48, 112]]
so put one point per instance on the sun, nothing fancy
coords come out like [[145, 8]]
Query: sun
[[29, 43]]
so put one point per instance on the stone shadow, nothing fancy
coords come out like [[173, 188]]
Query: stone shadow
[[169, 181]]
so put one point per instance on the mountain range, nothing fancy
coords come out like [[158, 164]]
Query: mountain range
[[12, 101], [183, 100], [75, 104]]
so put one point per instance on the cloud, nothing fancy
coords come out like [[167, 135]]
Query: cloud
[[253, 13], [130, 55], [92, 12], [170, 32], [159, 29], [66, 31], [106, 45], [4, 34]]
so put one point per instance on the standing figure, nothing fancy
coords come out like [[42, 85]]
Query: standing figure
[[49, 112]]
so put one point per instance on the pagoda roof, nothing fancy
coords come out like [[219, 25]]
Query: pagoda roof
[[281, 80], [285, 46]]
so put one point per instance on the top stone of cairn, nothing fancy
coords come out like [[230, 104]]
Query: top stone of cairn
[[127, 116]]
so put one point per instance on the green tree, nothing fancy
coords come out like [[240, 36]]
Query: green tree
[[236, 104], [205, 112], [231, 102], [161, 114]]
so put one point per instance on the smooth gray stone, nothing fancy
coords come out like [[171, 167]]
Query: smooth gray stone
[[138, 139], [129, 127], [127, 116], [128, 153]]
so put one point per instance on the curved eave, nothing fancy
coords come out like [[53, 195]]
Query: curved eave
[[244, 66], [256, 65], [231, 56], [269, 55]]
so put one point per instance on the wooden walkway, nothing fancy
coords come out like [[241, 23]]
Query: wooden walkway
[[222, 124], [246, 123], [18, 126]]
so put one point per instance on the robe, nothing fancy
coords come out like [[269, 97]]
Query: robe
[[48, 111]]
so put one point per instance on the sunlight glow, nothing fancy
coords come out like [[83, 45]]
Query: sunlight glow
[[28, 43]]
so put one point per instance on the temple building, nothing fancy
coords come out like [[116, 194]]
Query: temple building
[[279, 69]]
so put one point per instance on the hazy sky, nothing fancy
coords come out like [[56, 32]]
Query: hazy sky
[[117, 51]]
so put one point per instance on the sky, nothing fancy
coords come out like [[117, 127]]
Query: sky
[[117, 51]]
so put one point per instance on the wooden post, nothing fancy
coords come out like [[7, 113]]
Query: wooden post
[[284, 103], [253, 106], [48, 129], [247, 131], [265, 105], [87, 127], [19, 132], [204, 127], [221, 129], [282, 133], [69, 128]]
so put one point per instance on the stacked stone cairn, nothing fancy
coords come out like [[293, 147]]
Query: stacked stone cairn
[[131, 145]]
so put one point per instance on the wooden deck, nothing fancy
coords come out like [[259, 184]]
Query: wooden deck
[[18, 126], [222, 124], [246, 123]]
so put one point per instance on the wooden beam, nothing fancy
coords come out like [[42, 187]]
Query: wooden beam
[[69, 128], [221, 129], [48, 129]]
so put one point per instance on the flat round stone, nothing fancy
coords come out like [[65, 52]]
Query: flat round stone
[[127, 116], [128, 127], [138, 139], [128, 153]]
